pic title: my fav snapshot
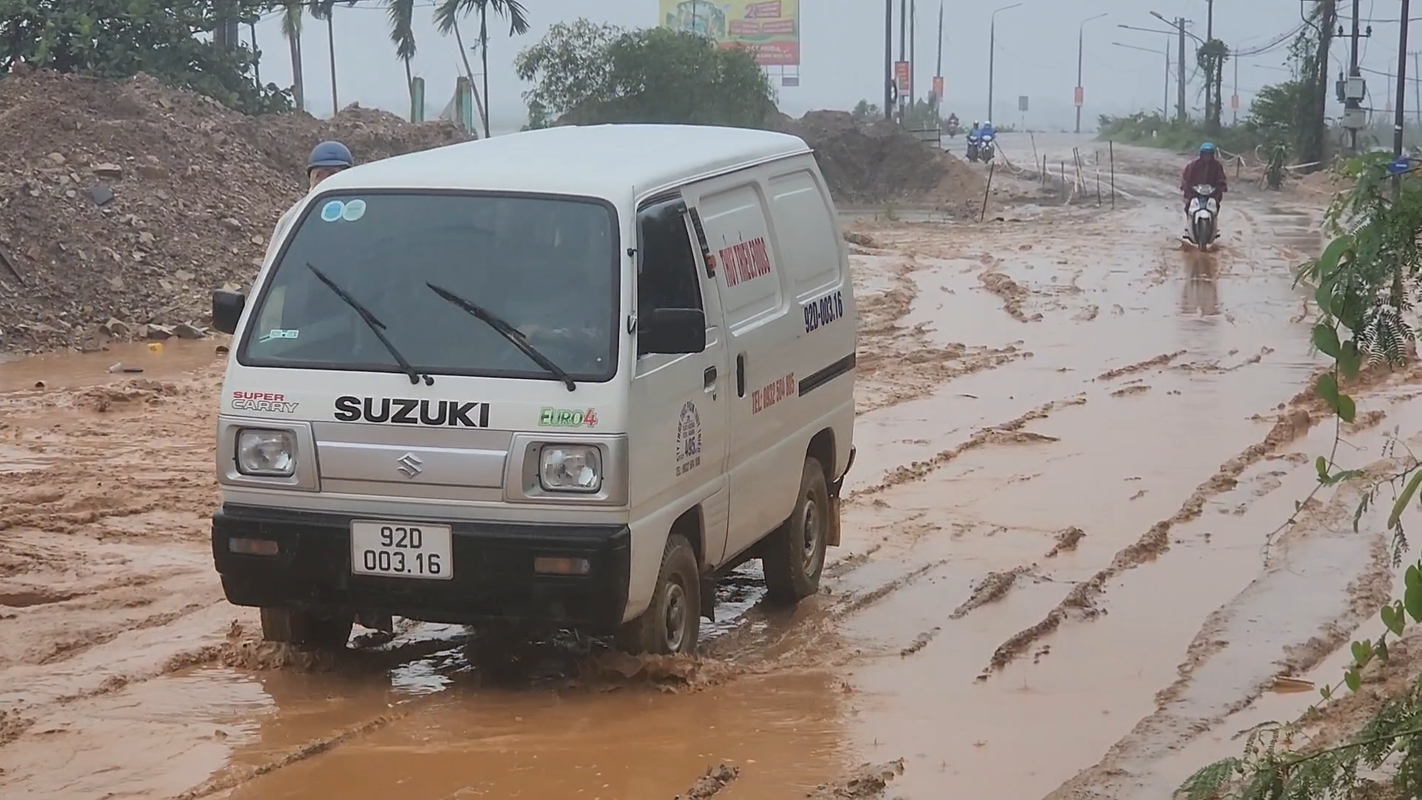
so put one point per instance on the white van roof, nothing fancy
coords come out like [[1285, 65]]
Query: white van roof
[[596, 160]]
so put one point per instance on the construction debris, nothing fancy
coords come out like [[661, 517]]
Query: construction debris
[[123, 205]]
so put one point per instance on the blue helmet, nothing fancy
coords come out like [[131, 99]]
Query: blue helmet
[[1207, 147], [329, 154]]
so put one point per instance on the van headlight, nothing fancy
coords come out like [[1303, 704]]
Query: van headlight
[[570, 468], [266, 453]]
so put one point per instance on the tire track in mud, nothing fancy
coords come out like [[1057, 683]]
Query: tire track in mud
[[1177, 720], [1294, 420], [237, 776], [1010, 432], [897, 363]]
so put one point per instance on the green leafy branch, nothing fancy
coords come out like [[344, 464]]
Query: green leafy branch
[[1364, 281]]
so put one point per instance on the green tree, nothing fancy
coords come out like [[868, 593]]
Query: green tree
[[1274, 112], [1211, 58], [587, 73], [325, 10], [447, 17], [292, 13], [401, 14], [568, 67], [121, 38]]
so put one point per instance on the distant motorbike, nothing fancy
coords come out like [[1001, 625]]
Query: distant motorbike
[[952, 128], [987, 148], [1203, 211]]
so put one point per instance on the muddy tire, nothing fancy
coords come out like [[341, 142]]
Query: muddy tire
[[672, 623], [794, 555], [306, 628]]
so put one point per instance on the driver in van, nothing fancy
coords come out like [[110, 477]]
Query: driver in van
[[1206, 169]]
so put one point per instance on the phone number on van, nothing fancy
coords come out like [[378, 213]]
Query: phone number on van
[[823, 311]]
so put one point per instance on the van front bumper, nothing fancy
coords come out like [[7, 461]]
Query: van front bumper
[[493, 578]]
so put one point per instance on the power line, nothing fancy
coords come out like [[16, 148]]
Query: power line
[[1410, 79], [1273, 44]]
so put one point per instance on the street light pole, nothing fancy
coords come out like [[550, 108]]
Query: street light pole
[[1399, 120], [1080, 92], [889, 60], [992, 51]]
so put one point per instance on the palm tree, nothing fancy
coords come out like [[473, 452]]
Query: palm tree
[[322, 9], [402, 33], [449, 11], [291, 28]]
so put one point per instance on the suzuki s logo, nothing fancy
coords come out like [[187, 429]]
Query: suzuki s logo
[[409, 465]]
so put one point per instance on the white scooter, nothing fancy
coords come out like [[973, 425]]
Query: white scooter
[[1203, 213], [987, 148]]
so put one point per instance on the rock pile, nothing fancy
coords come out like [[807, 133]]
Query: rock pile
[[129, 202], [879, 162]]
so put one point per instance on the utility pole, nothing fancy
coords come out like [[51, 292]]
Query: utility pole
[[1165, 100], [889, 60], [938, 70], [1180, 113], [913, 59], [1234, 96], [1350, 103], [1213, 111], [1079, 94], [1080, 41], [903, 48], [1397, 121]]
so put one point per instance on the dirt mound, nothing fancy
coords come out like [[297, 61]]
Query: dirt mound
[[132, 201], [879, 162]]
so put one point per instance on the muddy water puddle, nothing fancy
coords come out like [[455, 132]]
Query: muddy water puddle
[[783, 732], [155, 360]]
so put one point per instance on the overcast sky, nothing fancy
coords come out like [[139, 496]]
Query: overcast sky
[[842, 53]]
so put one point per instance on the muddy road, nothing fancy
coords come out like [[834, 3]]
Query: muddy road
[[1075, 443]]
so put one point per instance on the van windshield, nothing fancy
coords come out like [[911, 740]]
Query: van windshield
[[547, 266]]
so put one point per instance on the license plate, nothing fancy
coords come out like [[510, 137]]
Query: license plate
[[402, 550]]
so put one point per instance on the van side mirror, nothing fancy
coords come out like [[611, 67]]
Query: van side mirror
[[674, 331], [227, 309]]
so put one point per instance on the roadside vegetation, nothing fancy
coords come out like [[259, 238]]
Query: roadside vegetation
[[118, 39], [586, 73], [1365, 284]]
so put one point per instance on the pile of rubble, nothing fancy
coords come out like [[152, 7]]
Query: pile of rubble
[[878, 162], [129, 202]]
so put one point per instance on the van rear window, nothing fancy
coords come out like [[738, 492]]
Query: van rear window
[[546, 265]]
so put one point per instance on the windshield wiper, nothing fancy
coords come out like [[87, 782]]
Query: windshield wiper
[[507, 331], [376, 326]]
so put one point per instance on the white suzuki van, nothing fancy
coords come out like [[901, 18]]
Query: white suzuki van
[[560, 379]]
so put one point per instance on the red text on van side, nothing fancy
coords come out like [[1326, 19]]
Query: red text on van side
[[745, 261]]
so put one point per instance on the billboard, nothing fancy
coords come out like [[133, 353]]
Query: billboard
[[770, 29]]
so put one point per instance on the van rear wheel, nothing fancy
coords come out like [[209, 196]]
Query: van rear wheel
[[306, 628], [794, 555], [672, 623]]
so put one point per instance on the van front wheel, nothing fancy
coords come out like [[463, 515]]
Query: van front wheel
[[672, 623], [793, 556], [306, 628]]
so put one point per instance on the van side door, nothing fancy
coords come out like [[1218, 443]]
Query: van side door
[[765, 456], [678, 402]]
